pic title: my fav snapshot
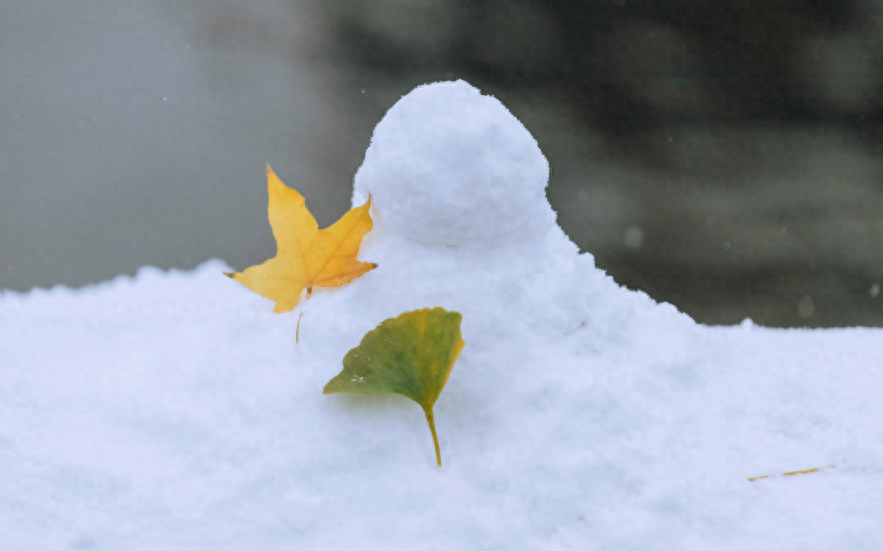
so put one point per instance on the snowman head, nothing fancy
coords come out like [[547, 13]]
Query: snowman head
[[447, 165]]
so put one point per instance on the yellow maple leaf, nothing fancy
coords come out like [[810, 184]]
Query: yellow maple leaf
[[306, 256]]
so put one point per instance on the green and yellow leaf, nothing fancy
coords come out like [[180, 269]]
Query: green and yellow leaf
[[411, 355]]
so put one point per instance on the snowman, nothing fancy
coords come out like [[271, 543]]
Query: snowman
[[461, 221]]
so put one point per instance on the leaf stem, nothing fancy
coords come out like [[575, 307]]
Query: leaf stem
[[431, 420]]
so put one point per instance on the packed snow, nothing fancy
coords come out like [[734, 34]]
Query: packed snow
[[175, 411]]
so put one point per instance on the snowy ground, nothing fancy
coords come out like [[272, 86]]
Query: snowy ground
[[175, 411]]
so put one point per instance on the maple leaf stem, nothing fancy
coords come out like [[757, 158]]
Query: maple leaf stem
[[431, 420], [297, 331]]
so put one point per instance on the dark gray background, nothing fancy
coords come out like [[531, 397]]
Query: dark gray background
[[723, 156]]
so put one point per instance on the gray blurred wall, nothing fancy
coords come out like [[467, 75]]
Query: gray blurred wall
[[727, 158], [136, 132]]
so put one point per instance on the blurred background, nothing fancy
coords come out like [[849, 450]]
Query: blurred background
[[726, 157]]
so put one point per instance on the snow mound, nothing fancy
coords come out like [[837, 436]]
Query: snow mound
[[447, 165], [175, 411]]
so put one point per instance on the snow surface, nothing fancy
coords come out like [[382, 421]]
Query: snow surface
[[174, 411]]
